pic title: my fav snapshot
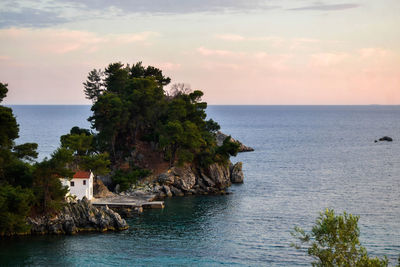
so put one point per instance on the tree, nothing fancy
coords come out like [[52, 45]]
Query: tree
[[15, 204], [49, 192], [9, 128], [131, 100], [3, 91], [81, 143], [334, 241], [132, 107], [94, 86], [26, 151]]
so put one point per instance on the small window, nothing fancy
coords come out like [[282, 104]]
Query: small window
[[72, 183], [84, 182]]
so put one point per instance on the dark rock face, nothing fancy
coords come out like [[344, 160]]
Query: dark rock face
[[187, 180], [78, 217], [242, 148], [386, 138]]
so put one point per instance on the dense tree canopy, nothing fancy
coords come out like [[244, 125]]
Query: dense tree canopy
[[130, 106], [26, 188], [81, 146]]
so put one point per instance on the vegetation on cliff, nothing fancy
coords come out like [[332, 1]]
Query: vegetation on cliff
[[132, 111], [26, 188]]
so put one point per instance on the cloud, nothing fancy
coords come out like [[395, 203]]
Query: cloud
[[328, 59], [43, 13], [176, 6], [29, 17], [214, 52], [327, 7], [230, 37], [63, 41]]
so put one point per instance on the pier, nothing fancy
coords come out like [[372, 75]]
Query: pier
[[129, 204]]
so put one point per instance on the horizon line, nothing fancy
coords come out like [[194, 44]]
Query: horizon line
[[222, 104]]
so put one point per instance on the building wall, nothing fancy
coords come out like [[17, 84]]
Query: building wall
[[79, 189]]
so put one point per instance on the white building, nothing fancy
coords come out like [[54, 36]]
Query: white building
[[81, 184]]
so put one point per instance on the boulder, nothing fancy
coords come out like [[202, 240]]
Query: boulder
[[386, 138], [237, 173], [167, 190]]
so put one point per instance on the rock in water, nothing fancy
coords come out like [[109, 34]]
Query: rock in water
[[220, 175], [167, 191], [176, 192], [237, 173], [386, 138], [78, 217], [189, 180], [242, 148]]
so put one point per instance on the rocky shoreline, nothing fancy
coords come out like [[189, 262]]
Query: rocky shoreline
[[83, 216], [188, 180], [78, 217]]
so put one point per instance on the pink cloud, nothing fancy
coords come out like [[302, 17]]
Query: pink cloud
[[214, 52], [62, 41], [230, 37], [328, 59]]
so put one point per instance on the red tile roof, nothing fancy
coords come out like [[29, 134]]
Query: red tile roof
[[81, 175]]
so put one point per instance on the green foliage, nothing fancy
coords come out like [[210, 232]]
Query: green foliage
[[26, 151], [227, 149], [93, 85], [3, 91], [80, 145], [126, 179], [15, 203], [49, 192], [130, 104], [25, 188], [18, 173], [127, 106], [97, 163], [9, 128], [334, 241]]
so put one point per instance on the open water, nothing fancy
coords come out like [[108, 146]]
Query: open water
[[306, 159]]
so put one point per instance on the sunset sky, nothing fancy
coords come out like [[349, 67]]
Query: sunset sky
[[238, 52]]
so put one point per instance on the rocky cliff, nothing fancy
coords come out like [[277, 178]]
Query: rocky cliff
[[81, 216], [188, 180], [220, 137]]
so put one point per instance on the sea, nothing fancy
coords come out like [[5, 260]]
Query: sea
[[306, 159]]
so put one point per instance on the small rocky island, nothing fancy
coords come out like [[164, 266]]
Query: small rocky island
[[146, 143]]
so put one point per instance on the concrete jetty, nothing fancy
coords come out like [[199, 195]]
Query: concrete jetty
[[129, 203], [132, 205]]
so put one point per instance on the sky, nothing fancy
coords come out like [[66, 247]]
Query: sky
[[249, 52]]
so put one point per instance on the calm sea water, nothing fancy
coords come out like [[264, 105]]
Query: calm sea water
[[307, 158]]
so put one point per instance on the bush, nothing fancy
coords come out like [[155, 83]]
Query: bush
[[333, 241], [126, 179]]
